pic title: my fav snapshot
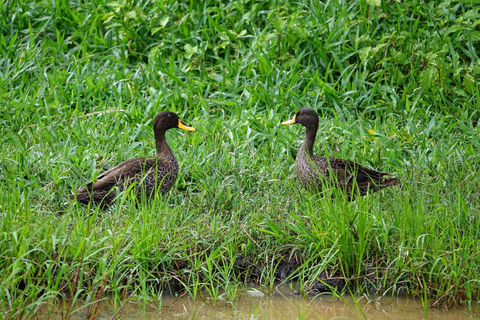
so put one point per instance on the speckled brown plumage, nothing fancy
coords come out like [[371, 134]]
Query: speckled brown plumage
[[150, 174], [313, 171]]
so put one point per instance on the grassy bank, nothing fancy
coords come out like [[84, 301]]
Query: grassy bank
[[396, 87]]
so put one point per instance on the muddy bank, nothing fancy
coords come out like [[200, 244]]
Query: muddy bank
[[286, 270], [250, 273]]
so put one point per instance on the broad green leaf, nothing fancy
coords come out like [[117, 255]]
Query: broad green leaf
[[155, 30], [364, 53], [428, 77], [376, 3], [131, 15], [136, 14], [472, 14], [164, 21], [222, 45], [278, 24], [190, 50], [291, 38], [469, 83], [400, 58], [270, 36], [224, 36], [368, 52], [454, 28]]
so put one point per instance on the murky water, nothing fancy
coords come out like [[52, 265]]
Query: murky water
[[282, 304]]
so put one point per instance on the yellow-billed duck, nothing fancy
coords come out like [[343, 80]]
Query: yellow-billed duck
[[153, 173], [313, 170]]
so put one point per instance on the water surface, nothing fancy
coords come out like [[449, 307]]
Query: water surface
[[282, 304]]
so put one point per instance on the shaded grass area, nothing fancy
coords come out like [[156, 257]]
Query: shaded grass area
[[396, 87]]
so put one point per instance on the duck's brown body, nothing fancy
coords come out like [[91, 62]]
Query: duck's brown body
[[149, 174], [314, 172]]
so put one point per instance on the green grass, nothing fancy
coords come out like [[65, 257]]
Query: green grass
[[80, 84]]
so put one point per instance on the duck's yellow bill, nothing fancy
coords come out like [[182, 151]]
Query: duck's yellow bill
[[292, 121], [184, 127]]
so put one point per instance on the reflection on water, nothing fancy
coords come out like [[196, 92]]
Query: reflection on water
[[282, 304]]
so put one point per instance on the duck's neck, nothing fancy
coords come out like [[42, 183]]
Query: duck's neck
[[307, 146], [161, 143]]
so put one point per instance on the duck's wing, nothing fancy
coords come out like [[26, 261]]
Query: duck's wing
[[348, 172], [121, 172]]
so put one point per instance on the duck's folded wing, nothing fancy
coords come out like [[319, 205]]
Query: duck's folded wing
[[350, 170], [110, 178]]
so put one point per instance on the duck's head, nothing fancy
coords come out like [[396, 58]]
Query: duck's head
[[167, 120], [306, 117]]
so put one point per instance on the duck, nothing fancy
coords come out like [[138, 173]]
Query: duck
[[313, 171], [149, 173]]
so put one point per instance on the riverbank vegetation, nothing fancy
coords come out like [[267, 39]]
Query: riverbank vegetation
[[396, 85]]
